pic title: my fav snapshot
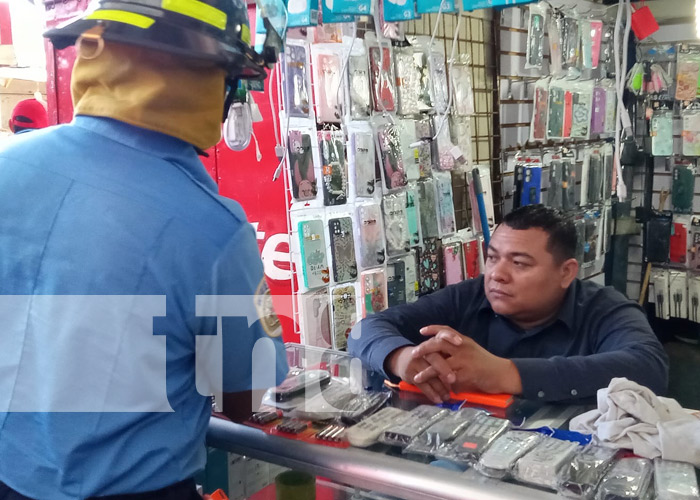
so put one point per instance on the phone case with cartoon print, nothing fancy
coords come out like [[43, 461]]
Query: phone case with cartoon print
[[302, 166], [313, 253], [382, 80], [428, 208], [373, 292], [453, 263], [344, 315], [363, 148], [430, 267], [396, 224], [334, 170], [371, 242], [296, 77], [391, 157], [396, 282], [315, 311], [445, 203], [342, 250], [412, 214]]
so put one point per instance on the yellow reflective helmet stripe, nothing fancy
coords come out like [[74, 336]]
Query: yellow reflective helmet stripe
[[122, 16], [245, 34], [197, 10]]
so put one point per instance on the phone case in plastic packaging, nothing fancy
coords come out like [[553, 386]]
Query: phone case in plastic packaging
[[382, 79], [675, 480], [554, 191], [498, 460], [687, 72], [683, 188], [568, 184], [608, 160], [430, 266], [570, 42], [301, 166], [334, 169], [661, 131], [342, 249], [408, 81], [407, 138], [445, 148], [554, 26], [581, 476], [313, 253], [396, 282], [598, 110], [363, 162], [413, 214], [468, 447], [555, 111], [396, 223], [344, 314], [538, 125], [420, 418], [358, 83], [628, 478], [438, 71], [691, 132], [447, 223], [442, 433], [580, 227], [427, 148], [411, 270], [594, 189], [391, 157], [591, 34], [461, 133], [453, 259], [374, 299], [297, 81], [426, 99], [531, 185], [427, 199], [315, 314], [463, 92], [534, 53], [327, 88], [582, 101], [541, 466], [610, 110], [372, 252]]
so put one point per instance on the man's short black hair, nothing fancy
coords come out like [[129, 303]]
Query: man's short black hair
[[561, 229]]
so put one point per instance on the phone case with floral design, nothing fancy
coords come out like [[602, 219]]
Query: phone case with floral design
[[430, 266], [316, 325], [373, 292], [363, 149], [334, 170], [344, 315], [453, 263], [342, 250], [396, 223], [296, 76], [313, 253], [396, 282], [371, 243], [302, 166], [427, 204]]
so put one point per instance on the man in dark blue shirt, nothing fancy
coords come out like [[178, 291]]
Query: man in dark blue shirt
[[526, 327]]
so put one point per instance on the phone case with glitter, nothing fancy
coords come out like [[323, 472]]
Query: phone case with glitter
[[382, 80], [371, 244], [296, 76], [428, 208], [363, 149], [427, 149], [358, 75], [334, 170], [438, 72], [327, 88], [445, 204], [374, 294], [396, 282], [302, 166], [313, 253], [315, 311], [344, 315], [391, 157], [407, 81], [342, 250], [430, 266], [453, 263]]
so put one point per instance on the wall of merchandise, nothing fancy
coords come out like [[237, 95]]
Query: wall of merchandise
[[376, 124], [557, 107]]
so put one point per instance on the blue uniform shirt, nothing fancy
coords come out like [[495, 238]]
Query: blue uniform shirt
[[100, 208], [599, 334]]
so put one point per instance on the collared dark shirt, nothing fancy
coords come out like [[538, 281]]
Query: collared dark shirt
[[598, 334]]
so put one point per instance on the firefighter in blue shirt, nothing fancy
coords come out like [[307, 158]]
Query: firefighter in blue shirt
[[115, 252]]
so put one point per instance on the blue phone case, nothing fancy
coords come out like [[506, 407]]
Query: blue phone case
[[532, 184]]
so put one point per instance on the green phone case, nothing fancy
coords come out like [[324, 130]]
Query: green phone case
[[313, 253]]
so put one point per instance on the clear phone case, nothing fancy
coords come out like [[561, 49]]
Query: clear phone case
[[427, 190], [315, 311], [391, 157], [438, 71], [296, 76], [342, 249], [372, 251], [302, 166], [382, 80], [374, 294], [334, 170], [327, 88], [358, 76], [407, 81], [396, 224], [362, 144], [344, 315], [447, 223], [413, 214]]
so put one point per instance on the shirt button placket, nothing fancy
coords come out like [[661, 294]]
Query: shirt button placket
[[540, 394]]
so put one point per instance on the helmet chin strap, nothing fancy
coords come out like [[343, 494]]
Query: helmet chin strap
[[231, 86]]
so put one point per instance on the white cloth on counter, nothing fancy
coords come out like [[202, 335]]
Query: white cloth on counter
[[631, 416]]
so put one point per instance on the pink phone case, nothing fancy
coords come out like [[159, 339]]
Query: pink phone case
[[453, 265]]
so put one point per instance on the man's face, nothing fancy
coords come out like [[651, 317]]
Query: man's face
[[522, 280]]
